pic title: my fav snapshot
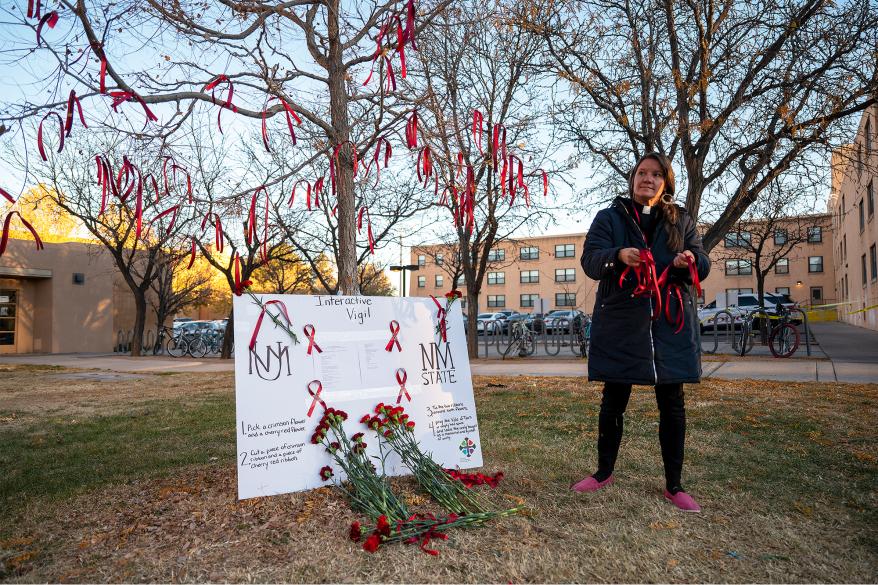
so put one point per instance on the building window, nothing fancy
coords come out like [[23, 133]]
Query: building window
[[862, 216], [564, 251], [565, 299], [529, 301], [496, 255], [531, 253], [782, 290], [815, 234], [738, 267], [782, 266], [737, 239], [496, 300], [816, 294], [780, 237], [439, 259], [732, 295], [496, 278], [815, 263], [870, 198], [422, 281], [422, 260], [873, 262], [565, 275], [868, 135], [78, 278], [844, 248], [527, 276], [439, 280]]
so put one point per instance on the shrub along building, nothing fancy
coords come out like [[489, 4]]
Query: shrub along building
[[852, 205]]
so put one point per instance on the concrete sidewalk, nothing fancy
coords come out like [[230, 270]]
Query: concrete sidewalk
[[793, 370]]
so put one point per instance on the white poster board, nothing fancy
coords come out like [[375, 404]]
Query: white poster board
[[353, 371]]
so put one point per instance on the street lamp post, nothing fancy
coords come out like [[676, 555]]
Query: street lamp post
[[402, 269]]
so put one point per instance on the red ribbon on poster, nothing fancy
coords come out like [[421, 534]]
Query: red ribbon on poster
[[394, 330], [316, 395], [309, 332], [283, 310], [401, 378]]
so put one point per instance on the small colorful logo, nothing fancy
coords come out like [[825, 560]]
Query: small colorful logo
[[467, 447]]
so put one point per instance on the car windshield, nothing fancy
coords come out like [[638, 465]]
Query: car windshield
[[486, 315]]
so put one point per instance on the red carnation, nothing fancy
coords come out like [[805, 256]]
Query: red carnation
[[356, 533], [388, 433], [453, 294], [357, 437], [383, 526], [410, 425], [379, 408], [372, 543], [366, 418], [325, 473]]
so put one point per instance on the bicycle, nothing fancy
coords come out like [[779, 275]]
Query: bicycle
[[177, 345], [523, 339], [784, 338], [583, 337], [746, 336]]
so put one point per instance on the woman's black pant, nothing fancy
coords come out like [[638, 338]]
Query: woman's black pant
[[672, 429]]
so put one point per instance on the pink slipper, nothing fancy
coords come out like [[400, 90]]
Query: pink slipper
[[683, 501], [590, 484]]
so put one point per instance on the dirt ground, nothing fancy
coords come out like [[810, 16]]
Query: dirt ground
[[189, 527]]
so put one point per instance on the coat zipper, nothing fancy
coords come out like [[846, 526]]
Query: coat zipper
[[651, 308]]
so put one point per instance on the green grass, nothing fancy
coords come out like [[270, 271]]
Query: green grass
[[59, 457]]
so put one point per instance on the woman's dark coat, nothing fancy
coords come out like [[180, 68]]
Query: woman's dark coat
[[626, 345]]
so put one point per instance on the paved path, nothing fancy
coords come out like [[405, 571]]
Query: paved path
[[847, 343], [797, 369]]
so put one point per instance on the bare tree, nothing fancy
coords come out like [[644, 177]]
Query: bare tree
[[175, 289], [140, 226], [482, 110], [773, 228], [742, 92], [318, 82]]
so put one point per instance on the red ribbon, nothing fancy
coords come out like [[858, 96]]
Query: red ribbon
[[223, 105], [440, 315], [316, 396], [5, 237], [402, 389], [120, 97], [365, 211], [72, 101], [394, 330], [650, 285], [40, 134], [31, 12], [6, 194], [310, 331], [51, 19], [283, 309], [478, 120], [411, 130], [191, 254]]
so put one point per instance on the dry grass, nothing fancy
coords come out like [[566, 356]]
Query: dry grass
[[786, 474]]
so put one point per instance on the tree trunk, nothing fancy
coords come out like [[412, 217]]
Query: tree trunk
[[472, 340], [229, 336], [139, 323], [344, 172]]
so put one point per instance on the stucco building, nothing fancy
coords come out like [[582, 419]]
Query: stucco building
[[852, 205], [68, 297]]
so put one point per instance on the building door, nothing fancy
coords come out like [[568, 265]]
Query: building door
[[8, 303]]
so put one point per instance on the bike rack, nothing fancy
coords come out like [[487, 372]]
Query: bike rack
[[729, 332], [807, 329]]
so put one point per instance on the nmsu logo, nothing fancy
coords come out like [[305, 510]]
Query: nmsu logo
[[273, 365]]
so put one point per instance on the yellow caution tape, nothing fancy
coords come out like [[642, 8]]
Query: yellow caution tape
[[863, 310]]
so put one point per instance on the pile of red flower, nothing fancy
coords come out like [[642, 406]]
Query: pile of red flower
[[370, 493], [474, 479]]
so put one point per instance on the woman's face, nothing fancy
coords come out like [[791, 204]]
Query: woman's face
[[649, 182]]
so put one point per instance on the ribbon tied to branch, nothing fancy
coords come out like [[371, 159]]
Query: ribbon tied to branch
[[283, 309], [442, 327]]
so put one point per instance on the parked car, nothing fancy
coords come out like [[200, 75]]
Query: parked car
[[744, 302], [504, 317], [514, 318], [560, 320], [536, 322], [486, 322]]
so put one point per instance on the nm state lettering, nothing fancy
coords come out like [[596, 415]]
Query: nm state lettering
[[437, 365]]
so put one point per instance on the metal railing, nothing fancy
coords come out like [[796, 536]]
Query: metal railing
[[493, 337]]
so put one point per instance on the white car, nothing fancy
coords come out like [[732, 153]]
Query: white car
[[745, 302], [490, 322]]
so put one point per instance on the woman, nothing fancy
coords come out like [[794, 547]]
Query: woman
[[637, 336]]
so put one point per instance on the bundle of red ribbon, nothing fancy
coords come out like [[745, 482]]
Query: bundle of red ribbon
[[650, 285]]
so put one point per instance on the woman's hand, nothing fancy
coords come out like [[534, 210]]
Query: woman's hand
[[680, 259], [630, 256]]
